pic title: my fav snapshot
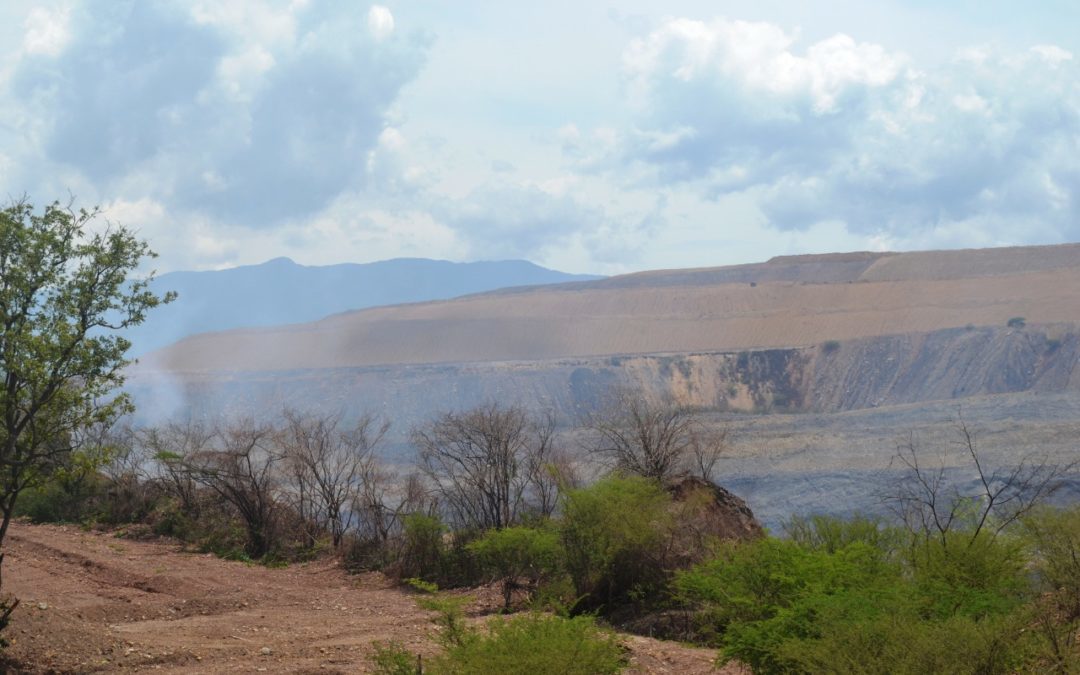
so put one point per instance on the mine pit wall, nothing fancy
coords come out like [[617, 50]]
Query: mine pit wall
[[828, 377], [856, 374], [943, 365]]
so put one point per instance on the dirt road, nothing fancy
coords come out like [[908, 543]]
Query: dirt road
[[96, 602]]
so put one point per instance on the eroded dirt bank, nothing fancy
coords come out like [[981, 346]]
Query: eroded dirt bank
[[96, 602]]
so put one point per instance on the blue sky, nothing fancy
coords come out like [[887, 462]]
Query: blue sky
[[586, 136]]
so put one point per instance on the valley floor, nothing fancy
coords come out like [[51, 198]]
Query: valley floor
[[96, 602]]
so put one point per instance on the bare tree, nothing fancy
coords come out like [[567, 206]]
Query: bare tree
[[131, 494], [241, 469], [384, 501], [485, 463], [548, 467], [378, 505], [126, 459], [329, 465], [170, 446], [707, 447], [932, 504], [655, 440]]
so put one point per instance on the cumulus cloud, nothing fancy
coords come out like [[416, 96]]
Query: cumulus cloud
[[850, 131], [232, 132], [240, 112]]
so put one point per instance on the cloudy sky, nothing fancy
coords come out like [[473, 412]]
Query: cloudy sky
[[588, 136]]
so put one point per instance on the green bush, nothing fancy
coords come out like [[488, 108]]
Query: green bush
[[973, 575], [840, 598], [753, 596], [521, 557], [44, 504], [1053, 537], [422, 550], [904, 645], [534, 644], [71, 497], [449, 613], [392, 658], [830, 534], [613, 535]]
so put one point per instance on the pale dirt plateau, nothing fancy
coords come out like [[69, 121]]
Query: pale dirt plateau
[[787, 302]]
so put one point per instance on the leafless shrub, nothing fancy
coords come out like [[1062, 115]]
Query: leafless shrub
[[707, 447], [931, 504], [130, 495], [170, 447], [661, 441], [489, 466], [548, 468], [329, 467], [241, 470], [385, 499]]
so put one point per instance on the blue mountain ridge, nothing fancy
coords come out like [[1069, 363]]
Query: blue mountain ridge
[[281, 291]]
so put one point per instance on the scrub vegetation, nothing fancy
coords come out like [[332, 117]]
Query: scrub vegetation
[[977, 576]]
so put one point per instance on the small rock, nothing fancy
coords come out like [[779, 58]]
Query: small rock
[[265, 651], [43, 605]]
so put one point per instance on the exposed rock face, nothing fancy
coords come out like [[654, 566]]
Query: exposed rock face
[[711, 512]]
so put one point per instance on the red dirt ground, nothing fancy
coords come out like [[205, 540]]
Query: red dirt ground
[[96, 602]]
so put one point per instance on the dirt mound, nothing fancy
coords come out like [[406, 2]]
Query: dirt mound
[[713, 511], [94, 602]]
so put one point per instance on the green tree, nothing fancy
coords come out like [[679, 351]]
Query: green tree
[[615, 534], [65, 292], [520, 556]]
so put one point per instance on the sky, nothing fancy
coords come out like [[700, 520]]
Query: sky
[[585, 136]]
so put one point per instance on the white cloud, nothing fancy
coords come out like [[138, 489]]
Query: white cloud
[[851, 132], [1052, 54], [756, 58], [380, 22], [250, 115], [970, 102], [241, 73], [516, 220], [46, 31]]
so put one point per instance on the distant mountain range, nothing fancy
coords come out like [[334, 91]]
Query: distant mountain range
[[281, 291]]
